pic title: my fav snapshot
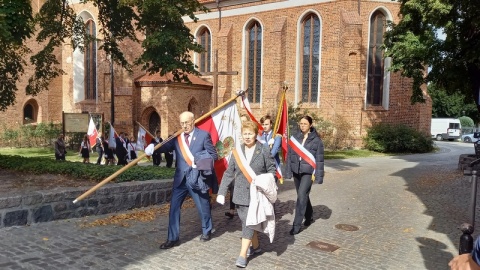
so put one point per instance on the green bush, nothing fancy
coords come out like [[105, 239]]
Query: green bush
[[466, 122], [36, 165], [387, 138]]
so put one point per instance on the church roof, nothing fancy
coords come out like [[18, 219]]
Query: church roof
[[149, 79]]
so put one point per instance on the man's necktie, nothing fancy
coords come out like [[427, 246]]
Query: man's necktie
[[265, 136], [186, 139]]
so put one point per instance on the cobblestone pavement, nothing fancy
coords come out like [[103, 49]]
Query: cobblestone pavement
[[407, 209]]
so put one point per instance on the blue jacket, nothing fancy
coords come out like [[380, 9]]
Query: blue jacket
[[201, 140]]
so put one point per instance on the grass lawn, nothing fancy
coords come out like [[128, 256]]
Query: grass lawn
[[50, 153], [73, 155]]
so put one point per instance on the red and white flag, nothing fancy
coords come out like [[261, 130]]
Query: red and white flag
[[246, 104], [224, 127], [143, 138], [92, 132], [111, 138]]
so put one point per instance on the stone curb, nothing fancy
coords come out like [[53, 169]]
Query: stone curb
[[45, 205]]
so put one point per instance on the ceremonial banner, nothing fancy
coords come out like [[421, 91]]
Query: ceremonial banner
[[112, 144], [224, 127], [143, 138], [92, 132], [246, 104]]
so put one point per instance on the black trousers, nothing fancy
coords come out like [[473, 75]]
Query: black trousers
[[303, 207], [157, 158], [100, 155], [169, 159]]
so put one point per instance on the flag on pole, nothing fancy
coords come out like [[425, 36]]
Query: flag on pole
[[224, 127], [111, 138], [143, 138], [92, 132], [246, 104], [283, 128]]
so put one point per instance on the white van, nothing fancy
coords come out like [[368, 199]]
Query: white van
[[446, 129]]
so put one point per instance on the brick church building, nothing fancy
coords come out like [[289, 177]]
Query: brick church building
[[328, 54]]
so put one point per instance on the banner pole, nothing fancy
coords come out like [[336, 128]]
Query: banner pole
[[280, 106], [135, 161]]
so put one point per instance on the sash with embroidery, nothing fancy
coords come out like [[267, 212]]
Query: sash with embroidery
[[244, 165], [303, 153], [185, 150]]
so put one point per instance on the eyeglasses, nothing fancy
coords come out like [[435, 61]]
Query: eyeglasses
[[186, 124]]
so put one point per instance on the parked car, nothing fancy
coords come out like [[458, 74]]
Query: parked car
[[469, 138]]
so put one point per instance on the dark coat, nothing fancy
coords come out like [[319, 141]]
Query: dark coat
[[262, 162], [314, 145]]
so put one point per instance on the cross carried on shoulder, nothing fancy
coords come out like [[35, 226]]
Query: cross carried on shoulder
[[215, 73]]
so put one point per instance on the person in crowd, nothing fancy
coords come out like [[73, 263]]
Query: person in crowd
[[60, 150], [99, 148], [121, 149], [191, 142], [157, 155], [261, 162], [109, 159], [169, 157], [305, 162], [85, 149], [269, 138], [231, 211], [468, 261], [132, 148]]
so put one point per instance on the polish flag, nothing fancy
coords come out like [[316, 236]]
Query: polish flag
[[112, 144], [92, 132], [246, 104], [143, 138], [224, 127]]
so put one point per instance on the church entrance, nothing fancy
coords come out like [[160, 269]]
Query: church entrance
[[153, 122]]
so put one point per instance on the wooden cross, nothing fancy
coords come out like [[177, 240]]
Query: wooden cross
[[215, 75]]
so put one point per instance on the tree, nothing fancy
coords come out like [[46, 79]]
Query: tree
[[414, 45], [166, 46], [451, 105], [16, 22]]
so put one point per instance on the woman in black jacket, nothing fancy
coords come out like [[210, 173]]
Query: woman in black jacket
[[305, 149]]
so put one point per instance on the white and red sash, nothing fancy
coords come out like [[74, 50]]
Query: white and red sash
[[185, 150], [244, 165], [303, 153]]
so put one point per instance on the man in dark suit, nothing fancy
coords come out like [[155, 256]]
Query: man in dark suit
[[157, 155], [121, 149], [186, 145]]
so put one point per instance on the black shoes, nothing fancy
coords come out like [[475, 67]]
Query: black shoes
[[169, 244], [294, 231], [308, 222], [229, 215], [205, 238]]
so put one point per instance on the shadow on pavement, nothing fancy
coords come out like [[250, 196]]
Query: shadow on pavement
[[340, 164], [445, 194]]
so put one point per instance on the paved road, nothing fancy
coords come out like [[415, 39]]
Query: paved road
[[407, 209]]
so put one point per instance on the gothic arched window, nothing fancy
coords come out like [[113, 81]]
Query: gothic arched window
[[90, 62], [310, 58], [254, 61], [205, 40], [375, 89]]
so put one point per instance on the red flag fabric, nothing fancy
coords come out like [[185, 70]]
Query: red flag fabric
[[224, 127], [143, 138], [92, 132], [283, 129], [246, 104]]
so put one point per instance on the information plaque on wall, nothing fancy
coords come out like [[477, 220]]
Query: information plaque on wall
[[75, 122]]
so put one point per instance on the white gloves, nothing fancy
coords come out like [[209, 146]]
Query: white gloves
[[271, 141], [221, 199], [149, 149]]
